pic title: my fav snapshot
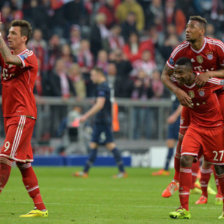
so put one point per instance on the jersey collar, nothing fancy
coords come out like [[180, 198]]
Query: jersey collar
[[202, 48]]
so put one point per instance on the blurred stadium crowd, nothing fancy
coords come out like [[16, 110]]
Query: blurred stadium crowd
[[130, 39]]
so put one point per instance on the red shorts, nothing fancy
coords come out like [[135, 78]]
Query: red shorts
[[220, 96], [17, 144], [184, 120], [208, 141]]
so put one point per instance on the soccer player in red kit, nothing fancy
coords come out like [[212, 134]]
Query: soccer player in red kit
[[19, 71], [206, 54], [204, 134]]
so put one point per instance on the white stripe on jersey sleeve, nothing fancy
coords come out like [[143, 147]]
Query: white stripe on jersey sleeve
[[216, 81]]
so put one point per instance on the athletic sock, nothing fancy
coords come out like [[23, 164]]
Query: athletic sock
[[195, 169], [177, 161], [5, 169], [217, 182], [205, 177], [184, 187], [90, 160], [118, 159], [221, 182], [31, 184], [168, 158]]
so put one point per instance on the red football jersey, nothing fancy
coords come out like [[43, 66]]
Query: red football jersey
[[17, 86], [206, 111], [209, 58]]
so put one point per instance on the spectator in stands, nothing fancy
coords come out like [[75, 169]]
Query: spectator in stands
[[142, 117], [115, 40], [124, 67], [217, 14], [39, 46], [66, 55], [112, 78], [54, 50], [75, 39], [108, 9], [78, 82], [72, 12], [155, 13], [131, 6], [6, 15], [210, 30], [86, 62], [102, 60], [40, 16], [134, 48], [157, 85], [98, 34], [129, 26], [174, 15], [60, 86], [146, 63], [170, 42], [85, 57]]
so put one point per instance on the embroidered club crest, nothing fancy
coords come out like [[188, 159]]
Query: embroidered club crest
[[191, 94], [210, 56], [199, 59], [201, 92]]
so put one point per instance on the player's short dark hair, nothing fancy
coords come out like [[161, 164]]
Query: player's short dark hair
[[26, 28], [184, 61], [99, 70], [199, 19]]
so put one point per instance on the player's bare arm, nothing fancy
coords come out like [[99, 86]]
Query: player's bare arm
[[182, 96], [8, 57], [202, 78], [173, 117], [95, 108]]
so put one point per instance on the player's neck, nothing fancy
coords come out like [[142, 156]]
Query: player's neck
[[19, 50], [197, 45]]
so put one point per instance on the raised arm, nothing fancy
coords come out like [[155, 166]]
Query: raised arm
[[5, 52], [182, 96]]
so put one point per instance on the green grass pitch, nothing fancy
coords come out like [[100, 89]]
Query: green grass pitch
[[100, 199]]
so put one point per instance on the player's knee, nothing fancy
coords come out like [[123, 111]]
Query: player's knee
[[170, 143], [22, 166], [6, 161], [110, 146], [93, 145], [219, 169], [186, 161]]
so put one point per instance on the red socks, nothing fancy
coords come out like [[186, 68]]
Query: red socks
[[31, 184], [221, 183], [205, 177], [5, 169], [195, 169], [185, 186], [218, 185], [177, 162]]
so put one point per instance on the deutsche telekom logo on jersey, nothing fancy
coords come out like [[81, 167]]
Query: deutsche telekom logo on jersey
[[200, 69]]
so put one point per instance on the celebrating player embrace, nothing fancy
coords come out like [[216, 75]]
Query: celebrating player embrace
[[207, 57], [204, 134]]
